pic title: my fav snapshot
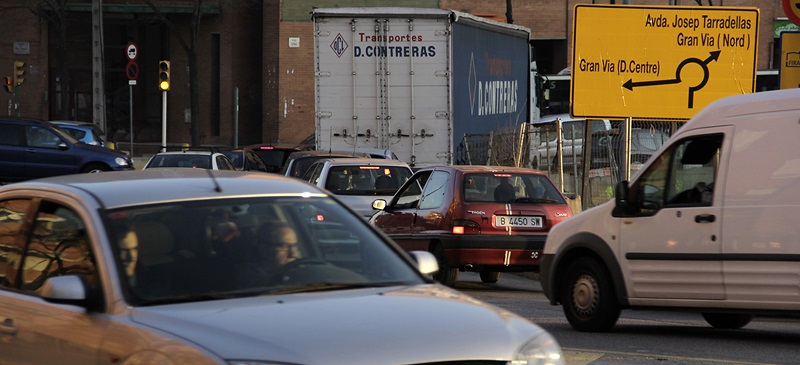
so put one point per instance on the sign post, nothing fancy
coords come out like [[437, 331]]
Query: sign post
[[132, 70], [651, 62]]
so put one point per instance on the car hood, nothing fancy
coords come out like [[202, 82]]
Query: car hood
[[101, 149], [403, 325]]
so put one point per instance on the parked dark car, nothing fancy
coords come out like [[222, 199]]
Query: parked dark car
[[273, 155], [606, 146], [488, 219], [31, 149]]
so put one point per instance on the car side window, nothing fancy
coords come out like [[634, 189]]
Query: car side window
[[435, 190], [410, 194], [12, 216], [10, 134], [224, 164], [314, 174], [41, 137], [58, 245]]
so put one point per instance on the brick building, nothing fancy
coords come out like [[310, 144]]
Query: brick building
[[254, 61]]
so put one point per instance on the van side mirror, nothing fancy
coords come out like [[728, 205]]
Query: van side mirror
[[622, 195]]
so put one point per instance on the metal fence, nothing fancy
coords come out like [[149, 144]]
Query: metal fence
[[589, 177]]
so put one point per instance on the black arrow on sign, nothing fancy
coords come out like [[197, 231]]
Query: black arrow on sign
[[713, 56]]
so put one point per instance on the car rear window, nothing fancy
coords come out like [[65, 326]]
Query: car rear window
[[366, 179], [510, 187]]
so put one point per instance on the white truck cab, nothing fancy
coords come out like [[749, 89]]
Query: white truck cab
[[711, 224]]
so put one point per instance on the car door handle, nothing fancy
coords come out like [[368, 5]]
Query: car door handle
[[8, 328], [705, 218]]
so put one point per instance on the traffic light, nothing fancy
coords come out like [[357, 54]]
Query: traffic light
[[19, 73], [9, 85], [163, 75]]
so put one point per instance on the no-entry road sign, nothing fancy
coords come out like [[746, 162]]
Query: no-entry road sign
[[652, 62]]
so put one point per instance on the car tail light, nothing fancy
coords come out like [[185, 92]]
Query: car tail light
[[463, 226]]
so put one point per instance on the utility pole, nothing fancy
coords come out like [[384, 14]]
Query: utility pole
[[98, 90]]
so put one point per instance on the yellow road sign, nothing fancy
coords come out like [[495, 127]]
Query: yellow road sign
[[655, 62], [790, 60]]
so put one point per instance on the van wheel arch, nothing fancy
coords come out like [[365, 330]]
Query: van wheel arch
[[588, 245]]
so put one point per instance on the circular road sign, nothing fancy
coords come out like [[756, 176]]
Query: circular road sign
[[130, 51], [132, 70]]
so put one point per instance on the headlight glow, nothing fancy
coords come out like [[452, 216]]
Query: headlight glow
[[542, 349]]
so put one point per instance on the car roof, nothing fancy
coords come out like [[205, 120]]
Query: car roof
[[279, 147], [483, 168], [170, 184], [188, 152], [73, 123], [298, 154], [352, 161]]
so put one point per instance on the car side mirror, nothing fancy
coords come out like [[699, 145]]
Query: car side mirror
[[426, 262], [67, 289], [379, 204]]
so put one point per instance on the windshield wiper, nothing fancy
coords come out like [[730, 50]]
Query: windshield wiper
[[317, 287], [536, 201], [187, 299]]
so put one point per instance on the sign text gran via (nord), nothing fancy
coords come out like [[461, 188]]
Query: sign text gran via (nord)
[[649, 62]]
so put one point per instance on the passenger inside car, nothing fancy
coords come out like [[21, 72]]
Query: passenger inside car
[[504, 192]]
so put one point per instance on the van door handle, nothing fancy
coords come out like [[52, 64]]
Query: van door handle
[[705, 218]]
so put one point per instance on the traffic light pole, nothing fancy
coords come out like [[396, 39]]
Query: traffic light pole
[[164, 121]]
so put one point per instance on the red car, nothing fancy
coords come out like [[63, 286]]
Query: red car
[[488, 219]]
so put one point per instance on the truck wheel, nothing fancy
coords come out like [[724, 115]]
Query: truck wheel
[[95, 167], [587, 296], [727, 320], [446, 274], [489, 277]]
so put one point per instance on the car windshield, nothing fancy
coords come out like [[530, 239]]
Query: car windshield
[[273, 157], [366, 180], [508, 187], [214, 249], [181, 160]]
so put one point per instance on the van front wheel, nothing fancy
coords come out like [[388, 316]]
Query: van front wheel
[[727, 320], [588, 297]]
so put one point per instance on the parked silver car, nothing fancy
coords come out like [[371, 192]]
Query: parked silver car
[[190, 266]]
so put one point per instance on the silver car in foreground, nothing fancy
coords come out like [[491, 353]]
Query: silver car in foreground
[[191, 266]]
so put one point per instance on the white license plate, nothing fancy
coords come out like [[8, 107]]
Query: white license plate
[[518, 221]]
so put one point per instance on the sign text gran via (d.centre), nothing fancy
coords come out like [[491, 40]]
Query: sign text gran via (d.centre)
[[649, 62]]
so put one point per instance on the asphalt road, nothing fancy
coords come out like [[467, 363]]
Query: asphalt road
[[644, 337]]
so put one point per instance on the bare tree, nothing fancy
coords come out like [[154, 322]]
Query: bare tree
[[191, 56]]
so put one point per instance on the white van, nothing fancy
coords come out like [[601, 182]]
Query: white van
[[711, 224]]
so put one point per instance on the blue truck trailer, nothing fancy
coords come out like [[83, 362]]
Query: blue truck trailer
[[416, 81]]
